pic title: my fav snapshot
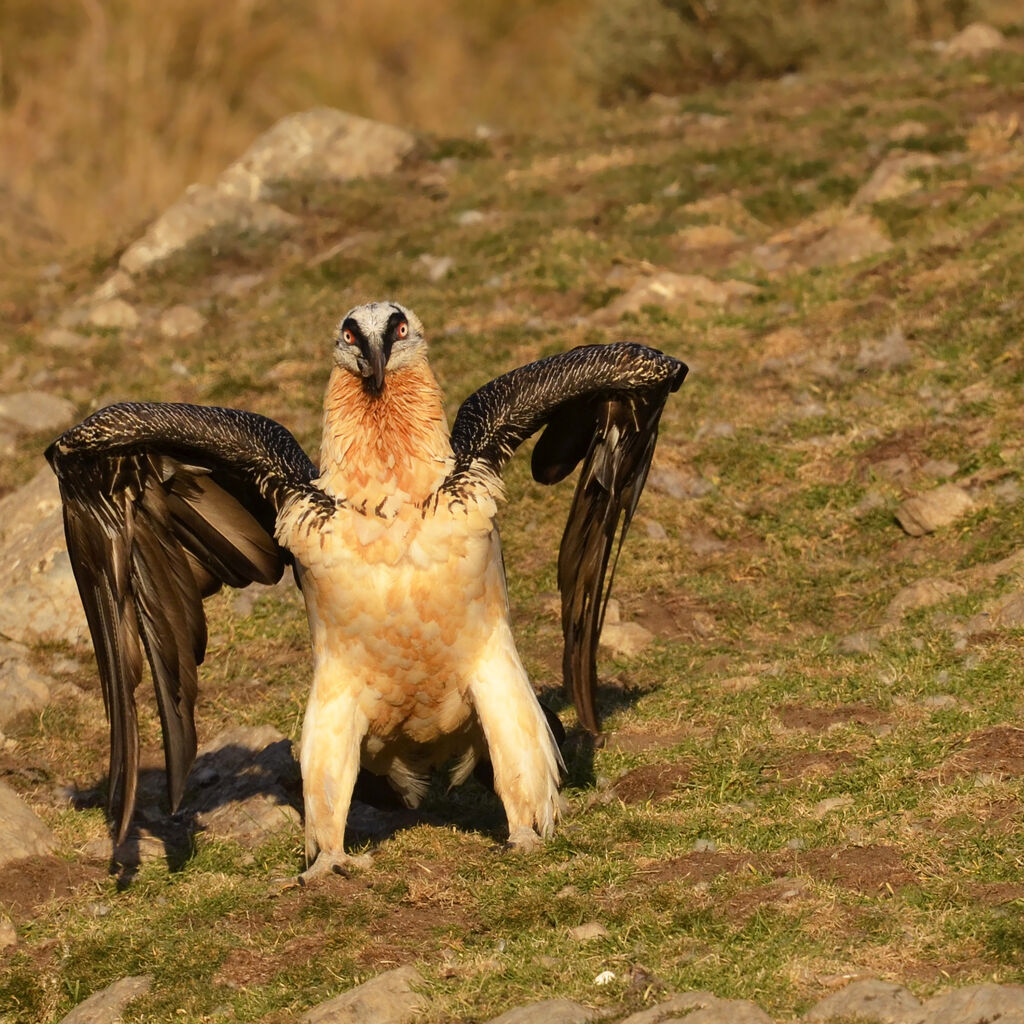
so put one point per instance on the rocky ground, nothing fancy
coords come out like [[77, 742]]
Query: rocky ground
[[810, 799]]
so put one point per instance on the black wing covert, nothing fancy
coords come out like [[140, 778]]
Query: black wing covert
[[164, 503], [600, 404]]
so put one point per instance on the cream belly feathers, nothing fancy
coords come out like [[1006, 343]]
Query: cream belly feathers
[[394, 543]]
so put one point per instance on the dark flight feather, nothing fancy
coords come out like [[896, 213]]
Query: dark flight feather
[[164, 503], [599, 405]]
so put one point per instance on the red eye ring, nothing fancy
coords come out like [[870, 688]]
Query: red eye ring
[[348, 337], [403, 330]]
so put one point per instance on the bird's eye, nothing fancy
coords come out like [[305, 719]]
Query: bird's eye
[[402, 330], [348, 337]]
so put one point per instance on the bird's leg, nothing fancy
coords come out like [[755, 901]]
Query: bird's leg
[[523, 754], [332, 733]]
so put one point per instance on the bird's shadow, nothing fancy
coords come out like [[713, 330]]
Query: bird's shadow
[[239, 792]]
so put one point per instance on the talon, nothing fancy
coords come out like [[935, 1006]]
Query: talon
[[336, 864], [524, 839]]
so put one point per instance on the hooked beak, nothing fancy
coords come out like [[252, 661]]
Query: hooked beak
[[372, 366]]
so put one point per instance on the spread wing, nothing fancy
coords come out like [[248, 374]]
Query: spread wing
[[164, 503], [599, 404]]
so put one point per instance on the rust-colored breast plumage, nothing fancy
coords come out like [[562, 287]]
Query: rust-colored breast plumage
[[403, 593]]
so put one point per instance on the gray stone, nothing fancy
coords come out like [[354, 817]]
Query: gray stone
[[22, 832], [437, 268], [22, 688], [64, 340], [863, 642], [888, 353], [975, 40], [105, 1006], [849, 241], [181, 321], [929, 512], [652, 528], [923, 594], [40, 599], [35, 412], [678, 484], [973, 1004], [891, 178], [115, 314], [626, 639], [238, 788], [316, 145], [670, 290], [117, 284], [8, 934], [199, 215], [1005, 612], [387, 999], [870, 1000], [550, 1011], [588, 932], [700, 1008]]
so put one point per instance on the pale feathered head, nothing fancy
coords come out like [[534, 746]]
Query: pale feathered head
[[377, 339]]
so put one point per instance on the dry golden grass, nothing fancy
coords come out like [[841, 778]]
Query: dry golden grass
[[108, 110]]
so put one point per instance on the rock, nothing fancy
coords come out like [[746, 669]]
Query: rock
[[863, 642], [891, 178], [588, 932], [973, 1004], [707, 236], [115, 314], [117, 284], [625, 639], [907, 130], [923, 594], [888, 353], [1005, 612], [653, 530], [105, 1006], [316, 145], [387, 999], [239, 786], [181, 321], [700, 1008], [40, 599], [823, 808], [22, 688], [670, 290], [677, 483], [22, 832], [929, 512], [8, 935], [870, 1001], [833, 237], [975, 40], [437, 268], [64, 340], [201, 214], [853, 239], [550, 1011], [35, 412]]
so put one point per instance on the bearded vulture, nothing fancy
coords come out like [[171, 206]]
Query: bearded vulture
[[395, 547]]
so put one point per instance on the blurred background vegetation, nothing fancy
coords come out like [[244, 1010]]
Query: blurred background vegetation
[[110, 108]]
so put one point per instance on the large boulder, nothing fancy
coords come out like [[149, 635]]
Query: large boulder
[[40, 599], [316, 145]]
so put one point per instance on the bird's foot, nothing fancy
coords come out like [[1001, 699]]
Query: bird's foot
[[524, 839], [334, 863]]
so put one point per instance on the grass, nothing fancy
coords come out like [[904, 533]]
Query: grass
[[837, 809]]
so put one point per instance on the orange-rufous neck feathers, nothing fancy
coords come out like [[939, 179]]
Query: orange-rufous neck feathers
[[375, 446]]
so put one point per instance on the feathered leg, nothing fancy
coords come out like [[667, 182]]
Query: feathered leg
[[527, 765], [332, 733]]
